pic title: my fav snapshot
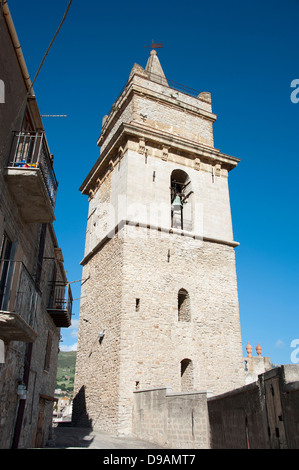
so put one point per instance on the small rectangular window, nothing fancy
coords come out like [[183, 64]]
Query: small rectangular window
[[137, 305]]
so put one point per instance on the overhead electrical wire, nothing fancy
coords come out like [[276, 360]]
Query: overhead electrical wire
[[23, 104], [51, 43]]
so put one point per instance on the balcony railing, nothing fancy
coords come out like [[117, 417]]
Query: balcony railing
[[61, 304], [30, 150], [172, 84], [18, 302], [31, 178]]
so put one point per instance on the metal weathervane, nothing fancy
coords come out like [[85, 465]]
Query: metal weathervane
[[157, 45]]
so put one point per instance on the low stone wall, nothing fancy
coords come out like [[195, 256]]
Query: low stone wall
[[261, 415], [172, 420], [236, 419]]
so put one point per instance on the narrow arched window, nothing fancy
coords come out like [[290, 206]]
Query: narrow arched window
[[186, 375], [184, 311], [181, 200]]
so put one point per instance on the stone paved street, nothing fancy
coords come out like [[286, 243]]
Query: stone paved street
[[66, 437]]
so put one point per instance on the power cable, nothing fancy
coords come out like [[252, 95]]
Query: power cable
[[51, 43], [24, 102]]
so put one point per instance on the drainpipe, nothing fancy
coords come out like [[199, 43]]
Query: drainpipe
[[22, 401], [17, 46]]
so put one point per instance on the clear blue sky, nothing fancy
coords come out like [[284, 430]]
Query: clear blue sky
[[244, 53]]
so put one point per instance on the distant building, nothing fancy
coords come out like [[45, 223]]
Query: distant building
[[35, 298], [63, 410], [255, 365]]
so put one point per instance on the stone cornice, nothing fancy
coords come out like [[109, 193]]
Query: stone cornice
[[176, 143], [168, 231]]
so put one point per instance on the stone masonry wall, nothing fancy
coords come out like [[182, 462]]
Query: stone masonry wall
[[24, 286], [139, 192], [261, 415], [41, 380], [9, 373], [177, 421], [163, 109], [243, 418], [143, 347], [133, 279], [175, 120], [96, 388], [153, 340], [11, 111], [146, 347]]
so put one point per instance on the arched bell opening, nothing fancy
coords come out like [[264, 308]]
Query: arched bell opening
[[181, 200]]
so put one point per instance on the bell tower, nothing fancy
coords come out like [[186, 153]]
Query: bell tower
[[159, 301]]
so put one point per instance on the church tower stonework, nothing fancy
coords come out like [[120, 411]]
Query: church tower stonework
[[159, 301]]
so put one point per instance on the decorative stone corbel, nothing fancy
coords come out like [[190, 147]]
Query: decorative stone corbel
[[165, 153], [120, 152], [141, 148], [104, 120], [149, 150], [217, 169], [197, 164]]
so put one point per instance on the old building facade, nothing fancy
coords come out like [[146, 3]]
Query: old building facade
[[159, 301], [34, 299]]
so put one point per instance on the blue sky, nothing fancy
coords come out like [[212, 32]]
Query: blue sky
[[244, 53]]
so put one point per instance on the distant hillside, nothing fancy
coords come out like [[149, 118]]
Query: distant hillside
[[66, 372]]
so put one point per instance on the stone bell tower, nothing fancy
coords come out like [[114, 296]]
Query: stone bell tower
[[159, 293]]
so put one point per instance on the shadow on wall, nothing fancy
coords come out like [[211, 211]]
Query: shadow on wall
[[80, 416]]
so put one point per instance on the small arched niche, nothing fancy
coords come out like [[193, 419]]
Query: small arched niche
[[186, 375], [184, 311]]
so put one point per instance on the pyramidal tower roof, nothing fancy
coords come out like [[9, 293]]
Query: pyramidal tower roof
[[153, 65], [153, 69]]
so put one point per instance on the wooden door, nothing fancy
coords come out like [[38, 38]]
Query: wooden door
[[39, 430]]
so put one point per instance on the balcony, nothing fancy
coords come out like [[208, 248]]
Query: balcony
[[61, 304], [18, 303], [30, 177]]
